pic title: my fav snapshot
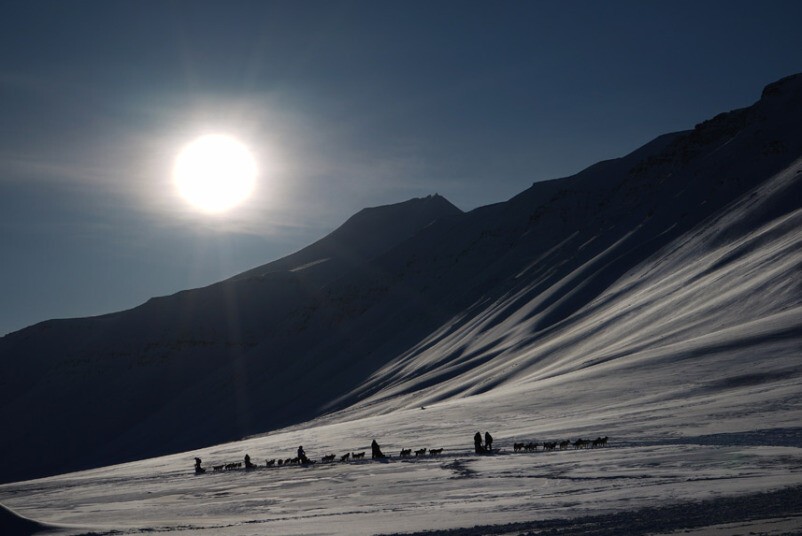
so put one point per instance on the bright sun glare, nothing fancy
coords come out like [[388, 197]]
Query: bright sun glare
[[215, 173]]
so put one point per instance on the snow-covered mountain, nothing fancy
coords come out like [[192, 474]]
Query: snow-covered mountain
[[673, 271], [171, 374]]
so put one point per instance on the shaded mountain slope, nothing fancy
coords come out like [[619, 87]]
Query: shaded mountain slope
[[362, 237], [106, 385], [685, 251], [706, 297], [553, 259]]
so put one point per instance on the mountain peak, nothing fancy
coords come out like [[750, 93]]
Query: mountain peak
[[373, 230], [365, 235], [788, 85], [431, 207]]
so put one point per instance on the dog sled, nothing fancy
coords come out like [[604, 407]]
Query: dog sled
[[406, 455]]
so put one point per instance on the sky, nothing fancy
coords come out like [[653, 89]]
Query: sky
[[344, 105]]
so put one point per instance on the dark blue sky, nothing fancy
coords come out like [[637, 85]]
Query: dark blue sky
[[346, 105]]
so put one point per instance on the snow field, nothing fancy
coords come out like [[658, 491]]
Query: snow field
[[457, 489]]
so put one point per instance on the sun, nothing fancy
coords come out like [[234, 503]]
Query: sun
[[215, 173]]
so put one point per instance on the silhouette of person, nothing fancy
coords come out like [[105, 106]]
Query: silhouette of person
[[477, 443], [302, 455], [198, 468], [248, 463], [376, 451], [488, 441]]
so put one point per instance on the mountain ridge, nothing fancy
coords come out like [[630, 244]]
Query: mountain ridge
[[350, 244], [448, 305]]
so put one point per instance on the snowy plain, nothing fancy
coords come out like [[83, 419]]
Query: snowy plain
[[646, 464]]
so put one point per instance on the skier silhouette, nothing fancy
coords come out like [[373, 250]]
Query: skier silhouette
[[488, 442], [198, 469]]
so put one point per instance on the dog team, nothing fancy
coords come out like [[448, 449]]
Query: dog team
[[302, 459], [377, 454], [562, 445]]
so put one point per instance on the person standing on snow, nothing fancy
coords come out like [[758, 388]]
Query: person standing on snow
[[376, 451], [302, 455], [477, 443], [488, 442]]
